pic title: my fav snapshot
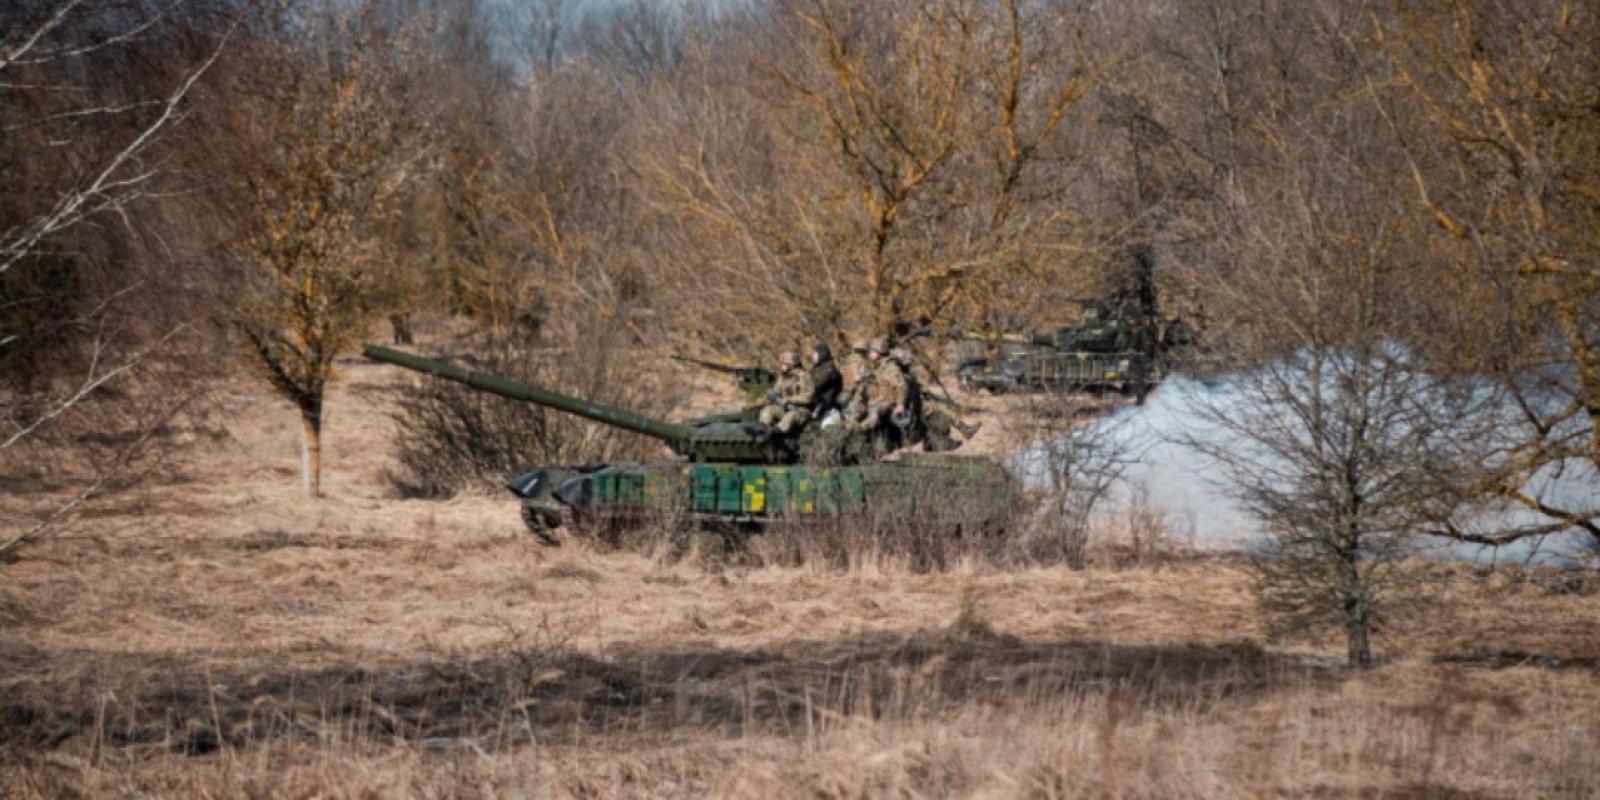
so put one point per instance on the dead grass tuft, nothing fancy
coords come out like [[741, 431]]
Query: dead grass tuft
[[568, 571]]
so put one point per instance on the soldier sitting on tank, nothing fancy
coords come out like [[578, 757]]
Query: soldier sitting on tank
[[853, 403], [854, 365], [906, 416], [924, 424], [828, 384], [891, 388], [789, 403], [880, 395]]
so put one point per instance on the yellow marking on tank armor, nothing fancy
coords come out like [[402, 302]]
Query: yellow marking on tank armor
[[755, 495]]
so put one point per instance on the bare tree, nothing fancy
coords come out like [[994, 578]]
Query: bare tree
[[332, 139], [541, 29], [863, 166], [1334, 449], [1334, 433], [639, 40]]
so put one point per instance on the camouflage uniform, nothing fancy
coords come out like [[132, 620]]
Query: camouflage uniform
[[855, 405], [880, 389], [924, 423], [937, 427], [825, 378], [854, 366], [890, 387], [792, 397]]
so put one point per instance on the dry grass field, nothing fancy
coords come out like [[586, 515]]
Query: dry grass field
[[220, 636]]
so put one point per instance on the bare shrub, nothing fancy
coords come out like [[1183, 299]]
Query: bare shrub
[[1076, 457], [450, 437], [1332, 451], [95, 344], [1136, 532]]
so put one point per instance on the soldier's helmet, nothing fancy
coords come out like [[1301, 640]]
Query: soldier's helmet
[[879, 345], [821, 352], [789, 359]]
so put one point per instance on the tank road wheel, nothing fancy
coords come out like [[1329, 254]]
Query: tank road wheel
[[599, 526], [541, 524]]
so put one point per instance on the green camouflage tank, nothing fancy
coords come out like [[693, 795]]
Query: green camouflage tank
[[732, 473], [1107, 351]]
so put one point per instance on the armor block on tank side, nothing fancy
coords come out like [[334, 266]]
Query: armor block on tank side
[[933, 492], [635, 486], [775, 491]]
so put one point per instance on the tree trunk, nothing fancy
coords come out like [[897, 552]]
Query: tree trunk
[[1357, 632], [311, 453], [1357, 605], [1360, 649], [400, 326]]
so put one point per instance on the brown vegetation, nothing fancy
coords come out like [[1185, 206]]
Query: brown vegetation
[[96, 351], [729, 180], [1502, 159]]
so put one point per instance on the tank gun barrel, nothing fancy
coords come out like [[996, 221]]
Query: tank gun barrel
[[676, 435], [747, 375], [726, 369]]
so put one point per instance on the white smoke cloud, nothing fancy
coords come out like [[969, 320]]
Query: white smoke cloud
[[1192, 490]]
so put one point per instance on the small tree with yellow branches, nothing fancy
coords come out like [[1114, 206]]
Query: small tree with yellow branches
[[331, 143]]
